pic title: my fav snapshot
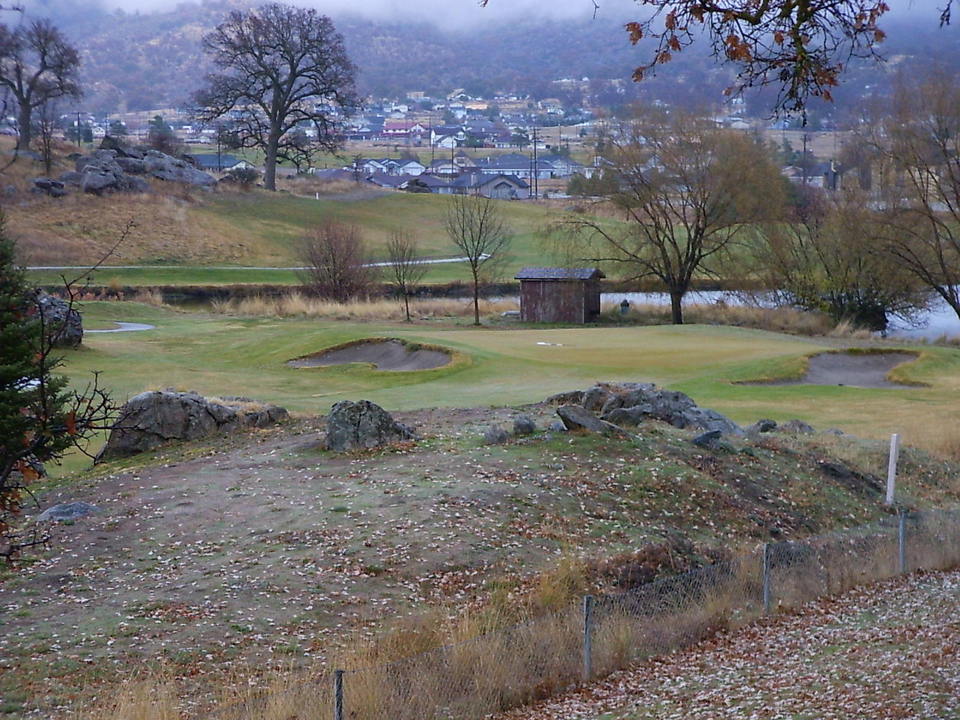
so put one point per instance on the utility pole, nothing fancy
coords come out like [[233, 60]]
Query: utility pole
[[78, 128], [536, 175], [805, 138]]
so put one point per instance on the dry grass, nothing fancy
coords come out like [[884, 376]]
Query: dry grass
[[783, 320], [500, 656], [296, 304], [307, 185]]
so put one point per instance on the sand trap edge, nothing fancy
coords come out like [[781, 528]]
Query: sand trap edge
[[457, 360], [893, 375]]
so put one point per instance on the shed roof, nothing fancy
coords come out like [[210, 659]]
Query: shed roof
[[545, 273]]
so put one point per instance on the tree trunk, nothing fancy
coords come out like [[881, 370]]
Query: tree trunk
[[676, 307], [270, 162], [406, 304], [476, 299], [23, 126]]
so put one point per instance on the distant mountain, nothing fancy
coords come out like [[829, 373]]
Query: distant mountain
[[138, 61]]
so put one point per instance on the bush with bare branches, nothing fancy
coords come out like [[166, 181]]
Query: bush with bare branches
[[336, 264]]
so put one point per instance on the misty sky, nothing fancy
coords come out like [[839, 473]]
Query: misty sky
[[443, 12], [452, 13]]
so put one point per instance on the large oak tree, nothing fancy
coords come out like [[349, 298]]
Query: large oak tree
[[37, 66], [279, 68]]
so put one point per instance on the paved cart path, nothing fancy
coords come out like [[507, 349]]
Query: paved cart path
[[889, 650]]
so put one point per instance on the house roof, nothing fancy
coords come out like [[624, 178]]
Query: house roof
[[476, 180], [554, 273], [209, 160], [430, 181]]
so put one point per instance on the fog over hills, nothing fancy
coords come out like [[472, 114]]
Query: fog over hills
[[140, 55]]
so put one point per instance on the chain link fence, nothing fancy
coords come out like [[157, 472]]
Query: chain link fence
[[495, 671]]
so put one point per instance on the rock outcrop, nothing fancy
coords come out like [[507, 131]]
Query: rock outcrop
[[575, 417], [116, 167], [154, 418], [62, 323], [363, 425], [633, 403]]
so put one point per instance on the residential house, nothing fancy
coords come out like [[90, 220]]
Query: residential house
[[391, 182], [516, 164], [501, 187], [429, 184], [219, 163], [562, 166]]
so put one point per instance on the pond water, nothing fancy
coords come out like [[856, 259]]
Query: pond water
[[939, 321]]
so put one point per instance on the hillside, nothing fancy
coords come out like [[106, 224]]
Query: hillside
[[136, 61]]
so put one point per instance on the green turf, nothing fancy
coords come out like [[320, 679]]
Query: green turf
[[219, 355]]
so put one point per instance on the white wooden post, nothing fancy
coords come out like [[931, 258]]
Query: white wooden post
[[892, 467]]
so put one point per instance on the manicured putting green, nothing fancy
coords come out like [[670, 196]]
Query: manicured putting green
[[220, 355]]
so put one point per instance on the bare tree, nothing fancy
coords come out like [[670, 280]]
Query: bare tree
[[279, 67], [475, 225], [46, 126], [37, 65], [406, 267], [915, 146], [336, 262], [687, 190], [826, 255]]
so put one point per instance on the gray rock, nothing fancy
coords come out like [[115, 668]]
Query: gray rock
[[510, 314], [524, 425], [9, 190], [762, 426], [133, 166], [571, 397], [834, 431], [71, 177], [164, 167], [557, 426], [798, 427], [48, 186], [708, 440], [628, 415], [96, 181], [495, 435], [66, 512], [121, 148], [363, 424], [575, 417], [595, 398], [612, 403], [62, 323], [151, 419]]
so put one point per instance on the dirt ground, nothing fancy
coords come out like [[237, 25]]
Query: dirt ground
[[262, 551]]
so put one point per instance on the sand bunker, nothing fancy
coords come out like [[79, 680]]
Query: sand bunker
[[863, 370], [383, 354]]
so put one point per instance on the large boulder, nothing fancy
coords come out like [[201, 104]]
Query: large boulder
[[575, 417], [48, 186], [363, 425], [164, 167], [632, 403], [62, 324], [154, 418]]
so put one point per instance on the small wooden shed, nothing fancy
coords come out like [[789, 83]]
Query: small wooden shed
[[559, 295]]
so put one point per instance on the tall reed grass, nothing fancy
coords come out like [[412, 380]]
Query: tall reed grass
[[296, 304]]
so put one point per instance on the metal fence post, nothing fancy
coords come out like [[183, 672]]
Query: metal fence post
[[902, 542], [766, 578], [338, 695], [587, 637]]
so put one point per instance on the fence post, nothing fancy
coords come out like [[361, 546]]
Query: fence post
[[892, 467], [766, 578], [338, 695], [902, 542], [587, 637]]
